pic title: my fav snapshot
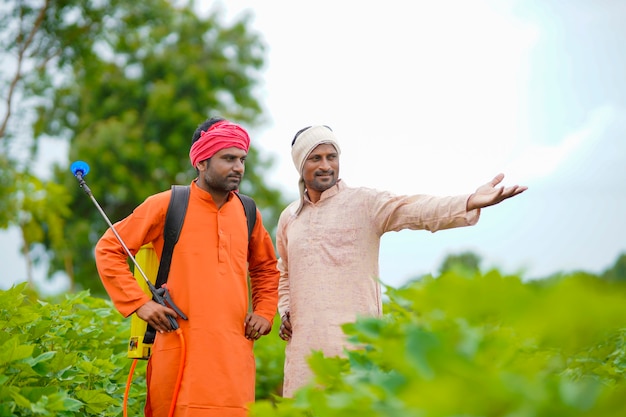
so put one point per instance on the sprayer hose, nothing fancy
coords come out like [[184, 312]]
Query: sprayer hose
[[180, 371], [127, 390], [179, 378]]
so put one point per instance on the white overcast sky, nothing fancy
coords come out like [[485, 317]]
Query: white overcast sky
[[437, 97]]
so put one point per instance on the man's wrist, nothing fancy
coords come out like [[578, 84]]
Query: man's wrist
[[469, 206]]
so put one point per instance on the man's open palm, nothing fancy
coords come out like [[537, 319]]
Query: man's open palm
[[489, 194]]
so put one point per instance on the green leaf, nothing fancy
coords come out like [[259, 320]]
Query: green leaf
[[41, 358], [12, 350], [419, 347], [95, 401]]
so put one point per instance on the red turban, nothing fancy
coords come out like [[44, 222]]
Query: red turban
[[221, 135]]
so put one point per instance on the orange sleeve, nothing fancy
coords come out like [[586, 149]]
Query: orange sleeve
[[143, 225], [264, 274]]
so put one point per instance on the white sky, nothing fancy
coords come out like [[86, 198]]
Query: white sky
[[437, 97]]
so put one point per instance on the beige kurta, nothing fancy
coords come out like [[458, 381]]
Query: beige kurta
[[329, 262]]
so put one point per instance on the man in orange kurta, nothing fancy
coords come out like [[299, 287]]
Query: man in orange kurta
[[207, 281]]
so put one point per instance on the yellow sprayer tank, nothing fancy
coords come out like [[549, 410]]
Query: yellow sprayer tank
[[149, 263]]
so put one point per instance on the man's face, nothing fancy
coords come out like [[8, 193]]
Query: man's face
[[321, 169], [224, 171]]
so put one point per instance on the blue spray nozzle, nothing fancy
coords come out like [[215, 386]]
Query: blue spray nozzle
[[79, 167]]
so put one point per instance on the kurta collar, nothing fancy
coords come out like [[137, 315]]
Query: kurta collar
[[334, 190], [205, 195]]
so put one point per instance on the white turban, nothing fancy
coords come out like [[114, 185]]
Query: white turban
[[304, 145]]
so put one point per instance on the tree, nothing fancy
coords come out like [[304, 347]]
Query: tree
[[466, 261], [618, 271], [33, 52], [132, 81]]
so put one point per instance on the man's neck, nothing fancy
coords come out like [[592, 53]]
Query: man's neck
[[220, 197]]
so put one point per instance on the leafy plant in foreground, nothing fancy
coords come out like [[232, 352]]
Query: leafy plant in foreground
[[477, 346], [65, 358]]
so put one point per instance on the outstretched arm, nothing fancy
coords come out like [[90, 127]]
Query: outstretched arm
[[489, 194]]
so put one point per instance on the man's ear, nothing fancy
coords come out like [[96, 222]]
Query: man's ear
[[201, 165]]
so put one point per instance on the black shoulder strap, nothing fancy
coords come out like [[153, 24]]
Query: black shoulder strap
[[173, 223], [249, 207]]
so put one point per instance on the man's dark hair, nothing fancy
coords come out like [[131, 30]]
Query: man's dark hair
[[302, 130], [204, 127]]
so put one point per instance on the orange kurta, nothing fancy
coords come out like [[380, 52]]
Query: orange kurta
[[208, 282]]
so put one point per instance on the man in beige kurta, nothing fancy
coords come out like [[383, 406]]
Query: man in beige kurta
[[328, 243]]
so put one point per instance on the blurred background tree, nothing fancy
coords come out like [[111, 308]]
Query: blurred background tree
[[618, 271], [124, 84], [468, 262]]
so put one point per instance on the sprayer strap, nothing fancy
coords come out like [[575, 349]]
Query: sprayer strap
[[249, 206], [173, 224]]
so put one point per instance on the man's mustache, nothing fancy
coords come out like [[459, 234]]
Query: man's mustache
[[329, 172]]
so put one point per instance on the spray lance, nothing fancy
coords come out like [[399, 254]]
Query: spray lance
[[160, 295]]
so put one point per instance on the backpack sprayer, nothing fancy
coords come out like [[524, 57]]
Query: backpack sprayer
[[139, 347]]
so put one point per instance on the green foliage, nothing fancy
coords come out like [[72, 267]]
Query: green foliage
[[37, 207], [269, 352], [64, 358], [68, 357], [477, 346], [8, 197], [44, 208], [126, 83], [132, 114], [455, 345]]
